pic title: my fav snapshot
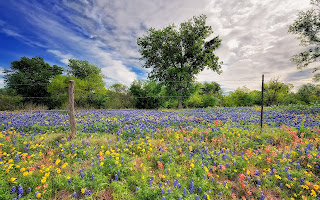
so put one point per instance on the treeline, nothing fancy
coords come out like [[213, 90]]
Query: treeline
[[34, 83]]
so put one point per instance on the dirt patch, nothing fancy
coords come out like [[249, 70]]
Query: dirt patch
[[105, 195], [62, 195]]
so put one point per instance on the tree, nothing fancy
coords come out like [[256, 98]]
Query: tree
[[275, 91], [309, 93], [9, 100], [119, 96], [89, 92], [240, 97], [147, 94], [82, 68], [29, 77], [307, 27], [177, 55]]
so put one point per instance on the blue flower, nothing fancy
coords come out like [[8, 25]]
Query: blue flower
[[74, 195], [20, 190], [13, 190]]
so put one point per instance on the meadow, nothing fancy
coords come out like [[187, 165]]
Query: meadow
[[218, 153]]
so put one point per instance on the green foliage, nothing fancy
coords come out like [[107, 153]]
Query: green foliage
[[9, 100], [89, 92], [276, 91], [309, 93], [147, 94], [240, 97], [307, 27], [29, 77], [176, 55], [82, 69], [119, 97]]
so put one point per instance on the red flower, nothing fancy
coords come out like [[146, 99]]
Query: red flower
[[160, 165]]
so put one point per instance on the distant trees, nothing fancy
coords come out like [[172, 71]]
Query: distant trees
[[176, 55], [29, 77], [119, 97], [307, 27], [276, 91]]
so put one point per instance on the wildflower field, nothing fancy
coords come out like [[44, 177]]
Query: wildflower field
[[218, 153]]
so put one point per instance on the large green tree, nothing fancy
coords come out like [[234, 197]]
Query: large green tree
[[82, 68], [307, 27], [29, 77], [177, 54]]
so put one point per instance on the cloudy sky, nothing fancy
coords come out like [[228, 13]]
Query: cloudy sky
[[254, 33]]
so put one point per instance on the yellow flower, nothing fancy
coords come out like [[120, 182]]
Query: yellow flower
[[57, 161], [83, 190], [13, 179], [316, 187], [278, 177], [22, 169], [192, 165], [38, 195]]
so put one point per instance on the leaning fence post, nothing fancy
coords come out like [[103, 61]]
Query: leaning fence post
[[71, 110]]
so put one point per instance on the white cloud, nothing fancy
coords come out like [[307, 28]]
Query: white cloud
[[1, 71], [64, 58], [254, 35], [1, 82]]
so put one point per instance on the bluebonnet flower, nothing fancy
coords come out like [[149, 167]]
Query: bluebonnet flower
[[82, 175], [204, 196], [116, 177], [20, 190], [74, 195], [197, 197], [261, 196], [13, 190], [184, 191], [258, 182], [191, 187], [175, 182], [28, 190]]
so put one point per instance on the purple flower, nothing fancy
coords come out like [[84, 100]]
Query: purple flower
[[13, 190], [82, 175], [20, 190], [191, 187], [184, 191], [74, 195]]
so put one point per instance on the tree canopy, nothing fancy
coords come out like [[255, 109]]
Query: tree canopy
[[82, 68], [177, 55], [29, 77], [307, 27]]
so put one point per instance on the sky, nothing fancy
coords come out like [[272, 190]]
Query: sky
[[254, 33]]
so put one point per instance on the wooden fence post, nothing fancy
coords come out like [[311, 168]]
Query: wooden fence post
[[262, 89], [71, 110]]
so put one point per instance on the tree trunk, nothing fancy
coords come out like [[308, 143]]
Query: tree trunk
[[180, 100]]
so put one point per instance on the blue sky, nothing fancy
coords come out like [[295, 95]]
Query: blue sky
[[104, 32]]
